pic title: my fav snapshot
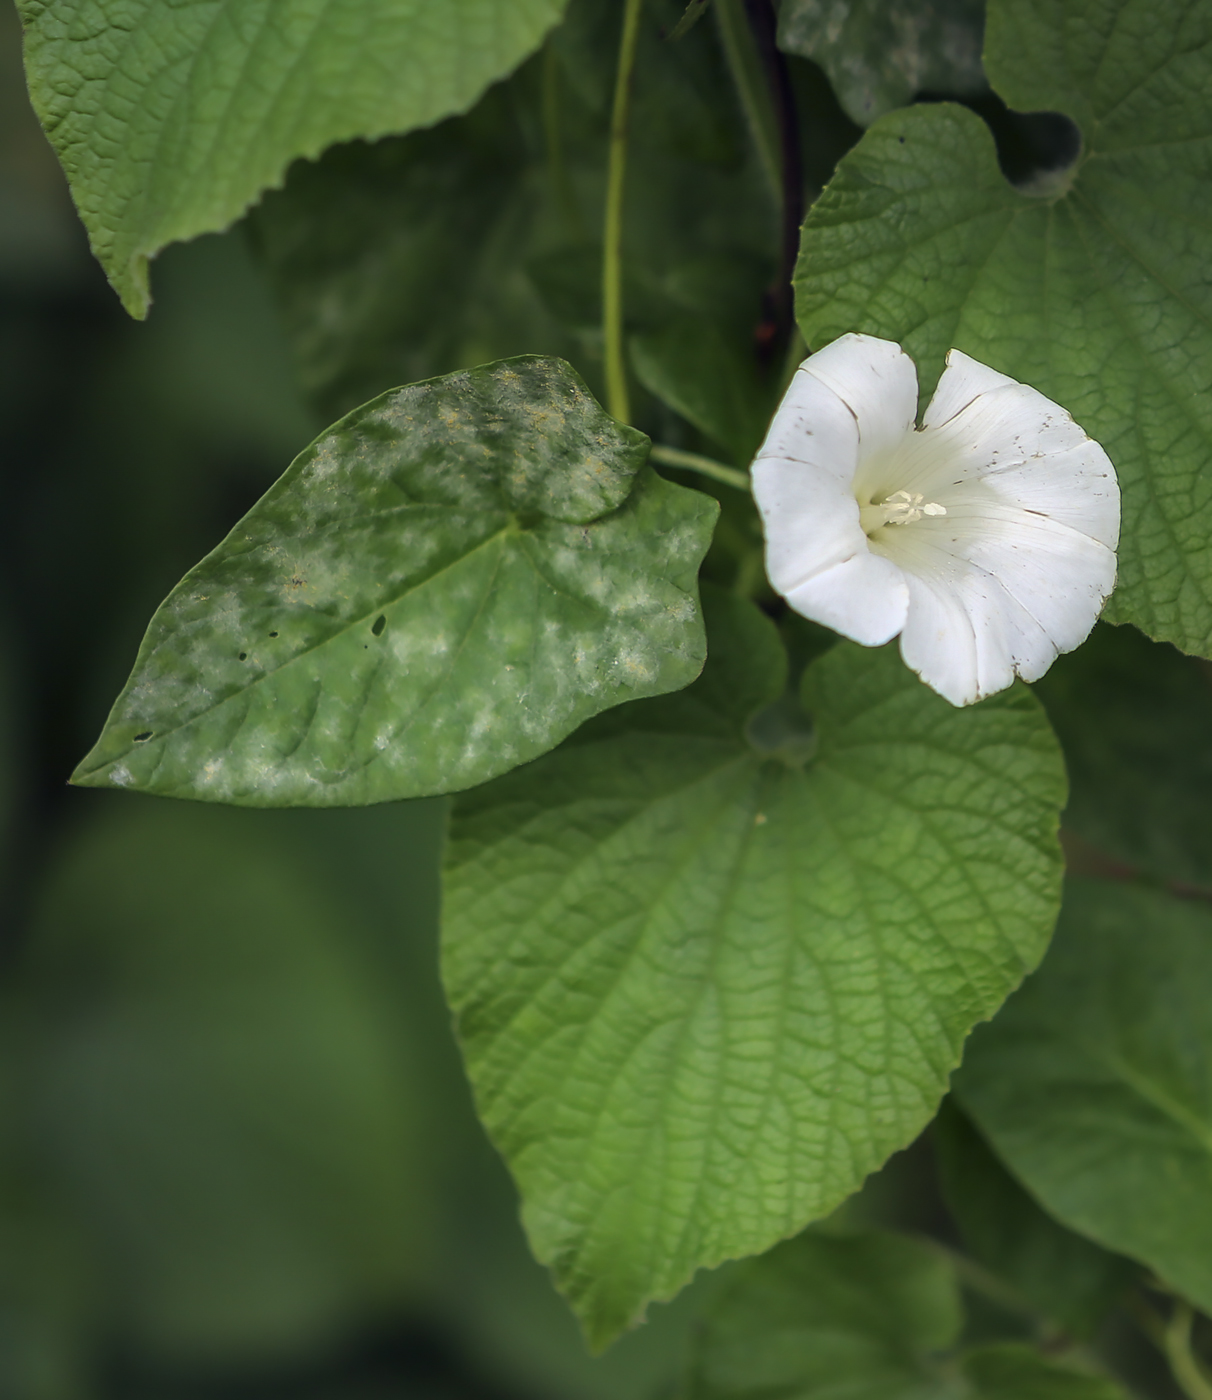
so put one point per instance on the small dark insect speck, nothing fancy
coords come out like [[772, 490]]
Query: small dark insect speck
[[273, 634], [244, 656]]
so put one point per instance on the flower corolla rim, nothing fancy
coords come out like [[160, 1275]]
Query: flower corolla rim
[[985, 538]]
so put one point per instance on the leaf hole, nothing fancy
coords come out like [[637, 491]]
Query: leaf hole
[[144, 737], [1037, 151], [379, 624]]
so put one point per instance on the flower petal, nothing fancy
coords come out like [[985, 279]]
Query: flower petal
[[813, 428], [877, 381], [810, 519], [865, 598], [962, 381], [1028, 587], [1076, 488], [966, 635]]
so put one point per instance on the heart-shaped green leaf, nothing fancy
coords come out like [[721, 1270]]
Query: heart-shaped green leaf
[[443, 586], [711, 964], [1093, 1082], [1093, 288], [171, 119]]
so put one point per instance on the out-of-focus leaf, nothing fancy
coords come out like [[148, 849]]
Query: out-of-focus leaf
[[856, 1316], [441, 587], [171, 119], [1135, 720], [879, 54], [1016, 1372], [1092, 285], [1070, 1279], [1094, 1083], [403, 259], [868, 1316], [481, 238], [213, 1083], [693, 367], [712, 965]]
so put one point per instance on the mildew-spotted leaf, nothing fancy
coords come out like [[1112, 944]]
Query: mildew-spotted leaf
[[879, 54], [170, 119], [711, 966], [441, 587], [1089, 282]]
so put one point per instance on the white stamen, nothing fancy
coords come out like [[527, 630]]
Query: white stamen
[[899, 508]]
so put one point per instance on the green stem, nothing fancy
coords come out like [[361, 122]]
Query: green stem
[[1173, 1339], [556, 166], [705, 466], [745, 65], [617, 398], [1183, 1362]]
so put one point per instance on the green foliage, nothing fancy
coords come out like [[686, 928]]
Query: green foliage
[[712, 962], [171, 119], [441, 587], [1066, 1277], [693, 366], [1093, 1082], [481, 238], [715, 957], [869, 1316], [235, 1202], [1089, 284], [403, 259], [1135, 720], [880, 54]]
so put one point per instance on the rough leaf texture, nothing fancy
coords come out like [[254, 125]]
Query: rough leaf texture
[[170, 119], [705, 983], [441, 587], [1094, 1084], [1091, 285]]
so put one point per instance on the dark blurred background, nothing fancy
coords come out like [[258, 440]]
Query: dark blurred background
[[237, 1151]]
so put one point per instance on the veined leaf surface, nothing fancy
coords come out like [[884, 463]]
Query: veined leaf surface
[[443, 586], [711, 968], [1091, 285], [170, 119]]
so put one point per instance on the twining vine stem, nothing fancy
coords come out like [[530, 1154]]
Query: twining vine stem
[[1179, 1352], [705, 466], [617, 398], [1172, 1337]]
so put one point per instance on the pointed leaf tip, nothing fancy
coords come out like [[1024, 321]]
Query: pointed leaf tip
[[441, 587]]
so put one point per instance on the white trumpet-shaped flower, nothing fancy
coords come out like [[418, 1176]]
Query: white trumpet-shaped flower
[[985, 538]]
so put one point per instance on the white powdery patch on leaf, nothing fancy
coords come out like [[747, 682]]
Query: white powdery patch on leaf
[[985, 538]]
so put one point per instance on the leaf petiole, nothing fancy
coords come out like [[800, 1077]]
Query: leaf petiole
[[617, 398], [705, 466]]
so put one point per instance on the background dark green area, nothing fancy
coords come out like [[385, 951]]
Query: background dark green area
[[237, 1155]]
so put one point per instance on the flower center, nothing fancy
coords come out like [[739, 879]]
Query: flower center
[[899, 508]]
